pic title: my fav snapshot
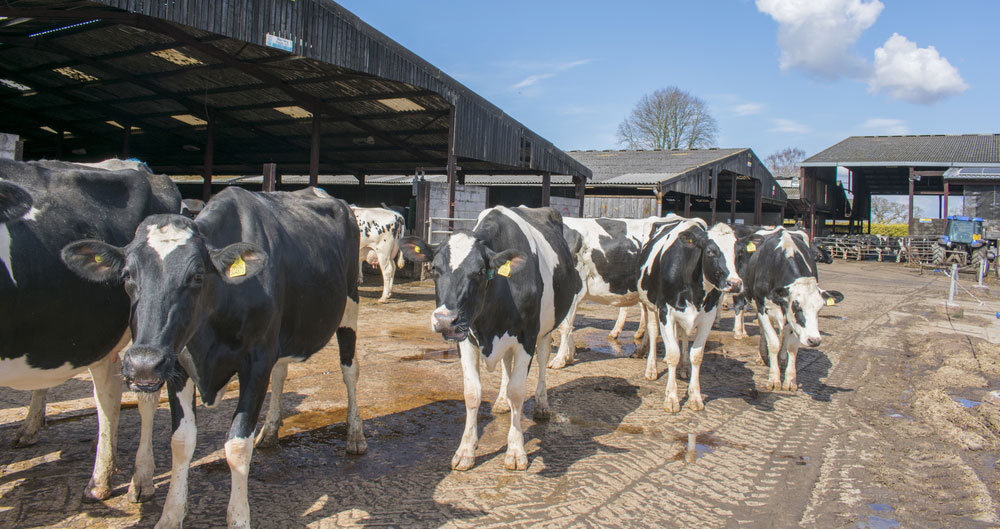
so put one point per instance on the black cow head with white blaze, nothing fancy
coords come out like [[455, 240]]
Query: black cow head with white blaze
[[462, 267], [801, 302], [171, 275], [713, 260]]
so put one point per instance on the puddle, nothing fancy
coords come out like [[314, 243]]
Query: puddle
[[832, 317], [441, 355], [881, 507], [799, 460], [966, 402], [599, 342], [698, 446], [876, 522], [889, 412]]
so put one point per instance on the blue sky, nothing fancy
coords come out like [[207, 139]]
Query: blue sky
[[775, 73]]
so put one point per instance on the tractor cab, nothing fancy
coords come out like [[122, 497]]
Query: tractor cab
[[963, 230]]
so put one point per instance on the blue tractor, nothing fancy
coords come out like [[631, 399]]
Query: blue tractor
[[964, 242]]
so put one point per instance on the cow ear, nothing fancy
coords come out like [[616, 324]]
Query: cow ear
[[506, 262], [694, 237], [832, 297], [779, 293], [416, 250], [94, 260], [14, 201], [238, 262]]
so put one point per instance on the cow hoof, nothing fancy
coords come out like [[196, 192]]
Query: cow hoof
[[637, 337], [541, 414], [740, 335], [672, 405], [516, 461], [557, 362], [96, 494], [500, 407], [462, 462], [169, 522], [24, 439], [612, 335], [696, 403], [382, 300], [267, 438], [773, 384], [141, 490], [357, 447], [652, 374], [789, 386], [761, 361], [684, 373]]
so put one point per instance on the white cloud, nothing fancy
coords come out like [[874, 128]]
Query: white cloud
[[787, 125], [816, 35], [534, 79], [890, 126], [917, 75], [748, 109]]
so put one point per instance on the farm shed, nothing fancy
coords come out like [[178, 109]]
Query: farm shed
[[714, 184], [896, 165], [247, 87]]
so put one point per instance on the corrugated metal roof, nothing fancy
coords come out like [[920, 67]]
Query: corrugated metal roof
[[972, 173], [930, 150], [646, 167]]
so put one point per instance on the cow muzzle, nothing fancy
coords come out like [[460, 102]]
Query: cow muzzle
[[447, 323], [813, 341], [145, 369], [734, 285]]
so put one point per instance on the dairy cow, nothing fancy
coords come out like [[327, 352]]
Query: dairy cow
[[257, 280], [501, 289], [54, 325], [783, 283], [606, 255], [684, 271], [380, 232]]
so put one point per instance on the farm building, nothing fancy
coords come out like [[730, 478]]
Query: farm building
[[200, 90], [945, 166]]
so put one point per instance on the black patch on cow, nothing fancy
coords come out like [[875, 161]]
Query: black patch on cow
[[617, 260]]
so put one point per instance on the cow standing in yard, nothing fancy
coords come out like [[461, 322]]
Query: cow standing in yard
[[782, 280], [501, 289], [606, 255], [55, 325], [257, 280], [685, 269], [380, 230]]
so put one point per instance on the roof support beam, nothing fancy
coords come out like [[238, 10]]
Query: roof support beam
[[314, 150]]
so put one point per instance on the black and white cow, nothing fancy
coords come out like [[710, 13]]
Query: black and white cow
[[380, 230], [257, 280], [782, 280], [685, 269], [606, 255], [54, 325], [501, 289]]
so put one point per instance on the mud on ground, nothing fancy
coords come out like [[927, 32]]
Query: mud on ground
[[888, 429]]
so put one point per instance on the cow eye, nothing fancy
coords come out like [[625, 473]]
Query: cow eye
[[196, 279]]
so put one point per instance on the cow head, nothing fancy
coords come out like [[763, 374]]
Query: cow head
[[801, 302], [726, 243], [172, 276], [15, 201], [462, 267]]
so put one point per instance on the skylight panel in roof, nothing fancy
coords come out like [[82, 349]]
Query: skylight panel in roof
[[75, 74], [15, 85], [63, 28], [294, 111], [114, 123], [401, 104], [190, 119], [176, 57], [49, 129]]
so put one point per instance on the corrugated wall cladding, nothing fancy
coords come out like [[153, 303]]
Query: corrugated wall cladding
[[325, 31]]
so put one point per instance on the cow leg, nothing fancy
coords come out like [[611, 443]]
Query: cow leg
[[739, 327], [239, 442], [671, 402], [641, 330], [518, 363], [268, 436], [27, 434], [567, 347], [619, 324], [465, 456], [347, 337], [502, 405], [182, 444], [141, 488], [652, 335], [695, 399], [791, 342], [108, 396], [542, 350], [388, 275], [773, 346], [684, 364]]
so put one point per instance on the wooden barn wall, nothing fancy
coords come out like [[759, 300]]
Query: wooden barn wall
[[324, 31], [626, 207]]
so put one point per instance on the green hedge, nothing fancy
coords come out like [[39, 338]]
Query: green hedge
[[891, 230]]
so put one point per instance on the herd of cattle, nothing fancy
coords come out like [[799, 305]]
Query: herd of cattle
[[99, 255]]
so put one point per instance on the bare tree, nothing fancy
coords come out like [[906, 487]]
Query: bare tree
[[669, 118], [885, 211], [785, 163]]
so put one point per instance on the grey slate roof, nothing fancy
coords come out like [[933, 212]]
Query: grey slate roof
[[935, 150], [646, 167], [972, 173]]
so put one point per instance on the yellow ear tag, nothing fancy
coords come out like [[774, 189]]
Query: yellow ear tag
[[831, 301], [504, 269], [238, 268], [416, 249], [751, 247], [98, 259]]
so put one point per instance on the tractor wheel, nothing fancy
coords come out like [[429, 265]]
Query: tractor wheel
[[978, 256], [938, 255]]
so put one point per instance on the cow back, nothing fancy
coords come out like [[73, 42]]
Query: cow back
[[779, 260]]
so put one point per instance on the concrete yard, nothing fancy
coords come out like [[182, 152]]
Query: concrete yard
[[886, 430]]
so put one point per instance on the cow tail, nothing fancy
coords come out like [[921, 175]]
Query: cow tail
[[397, 232]]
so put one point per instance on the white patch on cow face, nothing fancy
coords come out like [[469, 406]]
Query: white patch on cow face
[[32, 214], [804, 298], [459, 247], [166, 239], [725, 238]]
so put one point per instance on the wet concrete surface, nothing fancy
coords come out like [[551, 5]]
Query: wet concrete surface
[[609, 457]]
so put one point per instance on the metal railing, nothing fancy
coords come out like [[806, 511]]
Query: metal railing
[[444, 226]]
